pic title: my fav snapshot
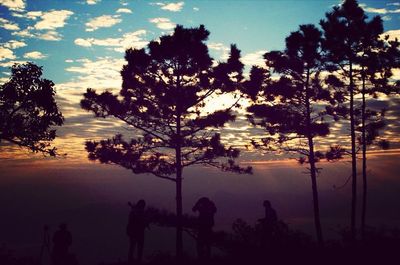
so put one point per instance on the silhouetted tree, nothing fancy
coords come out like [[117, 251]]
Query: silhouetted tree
[[343, 34], [376, 61], [283, 105], [165, 88], [28, 109], [358, 56]]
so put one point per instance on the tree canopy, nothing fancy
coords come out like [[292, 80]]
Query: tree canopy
[[164, 91], [287, 102], [359, 56], [28, 109]]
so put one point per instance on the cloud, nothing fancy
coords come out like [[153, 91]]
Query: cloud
[[10, 63], [6, 50], [254, 58], [128, 40], [162, 23], [3, 80], [104, 21], [32, 14], [92, 2], [50, 20], [14, 44], [20, 15], [6, 54], [101, 73], [374, 10], [173, 7], [14, 5], [8, 25], [34, 55], [217, 46], [50, 35], [124, 10], [196, 9], [386, 18], [69, 61], [25, 33], [381, 11], [396, 73], [30, 32], [45, 27], [393, 34], [221, 48], [83, 42]]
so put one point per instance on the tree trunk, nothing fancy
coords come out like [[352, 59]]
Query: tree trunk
[[313, 174], [313, 169], [353, 157], [364, 160], [179, 228]]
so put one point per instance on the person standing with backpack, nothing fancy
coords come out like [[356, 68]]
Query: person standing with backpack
[[205, 223]]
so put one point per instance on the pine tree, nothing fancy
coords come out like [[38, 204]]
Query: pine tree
[[343, 34], [164, 91], [285, 106], [376, 61], [358, 55]]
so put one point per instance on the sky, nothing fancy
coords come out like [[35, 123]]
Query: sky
[[81, 44]]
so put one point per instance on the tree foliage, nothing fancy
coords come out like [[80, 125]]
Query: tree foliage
[[279, 104], [164, 91], [343, 35], [285, 102], [28, 110], [363, 60]]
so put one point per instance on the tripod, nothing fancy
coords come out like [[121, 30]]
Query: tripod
[[45, 244]]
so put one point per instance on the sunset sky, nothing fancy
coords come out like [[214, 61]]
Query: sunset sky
[[81, 44]]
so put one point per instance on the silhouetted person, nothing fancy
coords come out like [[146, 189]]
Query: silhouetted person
[[135, 229], [206, 209], [62, 239], [270, 218], [269, 224]]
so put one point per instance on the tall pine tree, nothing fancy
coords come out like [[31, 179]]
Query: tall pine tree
[[343, 34], [376, 61], [358, 55], [164, 91], [286, 105]]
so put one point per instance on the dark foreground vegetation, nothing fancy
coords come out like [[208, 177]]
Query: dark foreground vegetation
[[256, 244]]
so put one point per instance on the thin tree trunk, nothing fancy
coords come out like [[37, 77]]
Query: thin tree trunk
[[313, 169], [353, 158], [364, 160], [313, 174], [179, 228]]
